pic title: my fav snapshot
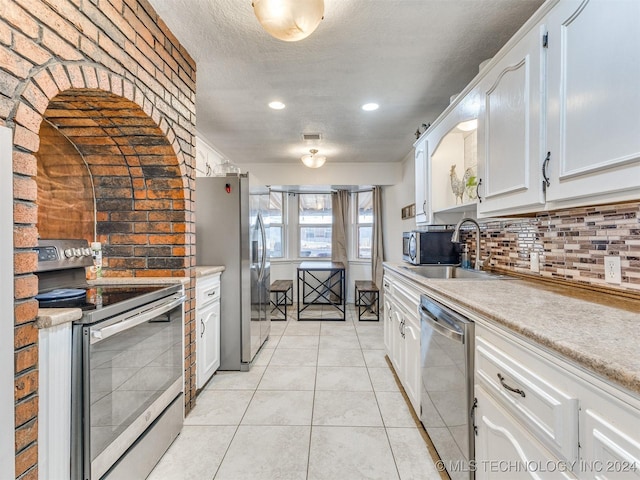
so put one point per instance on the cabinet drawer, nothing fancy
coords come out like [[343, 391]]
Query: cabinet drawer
[[207, 290], [542, 401]]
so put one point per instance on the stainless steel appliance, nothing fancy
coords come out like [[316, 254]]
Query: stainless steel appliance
[[231, 230], [433, 246], [446, 343], [127, 364]]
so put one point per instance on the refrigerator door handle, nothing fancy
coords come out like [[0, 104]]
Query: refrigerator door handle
[[263, 260]]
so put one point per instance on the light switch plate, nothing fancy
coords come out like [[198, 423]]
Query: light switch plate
[[612, 270], [534, 262]]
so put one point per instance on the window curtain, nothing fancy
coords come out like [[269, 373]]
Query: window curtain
[[377, 248], [340, 213], [340, 208]]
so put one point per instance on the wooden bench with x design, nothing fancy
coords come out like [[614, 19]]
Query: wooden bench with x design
[[281, 289]]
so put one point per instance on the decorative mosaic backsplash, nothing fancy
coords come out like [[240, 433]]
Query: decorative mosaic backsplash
[[571, 244]]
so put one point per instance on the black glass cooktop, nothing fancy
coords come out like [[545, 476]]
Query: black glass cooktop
[[93, 297]]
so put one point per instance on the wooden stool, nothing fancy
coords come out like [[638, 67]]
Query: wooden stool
[[367, 296], [281, 288]]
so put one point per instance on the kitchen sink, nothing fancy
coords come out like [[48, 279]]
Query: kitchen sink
[[452, 271]]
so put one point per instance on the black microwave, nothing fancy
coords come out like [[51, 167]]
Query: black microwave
[[430, 247]]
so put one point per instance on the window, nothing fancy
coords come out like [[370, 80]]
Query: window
[[364, 224], [314, 210], [275, 240]]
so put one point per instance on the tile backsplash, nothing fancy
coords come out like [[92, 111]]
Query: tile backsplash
[[571, 244]]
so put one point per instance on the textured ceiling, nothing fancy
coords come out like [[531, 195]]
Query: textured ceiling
[[409, 56]]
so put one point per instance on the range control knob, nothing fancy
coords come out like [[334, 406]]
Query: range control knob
[[86, 252], [68, 253], [77, 252]]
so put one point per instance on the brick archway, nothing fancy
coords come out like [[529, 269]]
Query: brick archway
[[143, 180]]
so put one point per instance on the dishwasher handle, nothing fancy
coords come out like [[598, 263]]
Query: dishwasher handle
[[442, 326]]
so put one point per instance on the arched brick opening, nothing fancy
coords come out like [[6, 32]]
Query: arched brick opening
[[141, 163], [139, 191]]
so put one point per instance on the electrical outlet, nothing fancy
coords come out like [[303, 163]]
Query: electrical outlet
[[612, 270], [534, 262]]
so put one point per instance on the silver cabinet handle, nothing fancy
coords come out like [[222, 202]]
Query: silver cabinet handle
[[203, 328], [545, 180], [478, 190], [211, 294], [424, 208], [511, 389]]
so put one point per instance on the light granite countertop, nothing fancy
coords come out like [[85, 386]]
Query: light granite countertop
[[52, 317], [600, 335], [203, 271]]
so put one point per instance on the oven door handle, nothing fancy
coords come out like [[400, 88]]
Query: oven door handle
[[441, 326], [133, 321]]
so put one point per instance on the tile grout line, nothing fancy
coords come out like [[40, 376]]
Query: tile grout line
[[435, 457], [313, 403]]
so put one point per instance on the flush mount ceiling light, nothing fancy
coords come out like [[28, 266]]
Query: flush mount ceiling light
[[468, 125], [277, 105], [312, 160], [289, 20], [370, 107]]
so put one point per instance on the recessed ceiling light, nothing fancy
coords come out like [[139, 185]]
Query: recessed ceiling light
[[277, 105], [370, 107]]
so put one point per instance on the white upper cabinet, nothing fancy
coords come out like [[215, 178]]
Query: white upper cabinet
[[558, 113], [451, 161], [206, 158], [593, 113], [422, 182], [510, 143]]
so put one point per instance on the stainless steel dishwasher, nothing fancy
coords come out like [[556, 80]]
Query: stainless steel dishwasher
[[446, 343]]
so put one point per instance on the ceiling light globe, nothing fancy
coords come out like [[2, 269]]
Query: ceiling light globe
[[276, 105], [289, 20], [312, 160], [370, 107]]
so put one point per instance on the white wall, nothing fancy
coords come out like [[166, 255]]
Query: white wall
[[7, 454], [329, 174], [395, 197]]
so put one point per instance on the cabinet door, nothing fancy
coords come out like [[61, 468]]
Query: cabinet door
[[388, 321], [609, 437], [411, 344], [422, 183], [397, 357], [593, 101], [506, 451], [510, 149], [207, 343], [203, 166]]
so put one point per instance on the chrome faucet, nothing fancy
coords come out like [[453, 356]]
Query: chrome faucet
[[456, 239]]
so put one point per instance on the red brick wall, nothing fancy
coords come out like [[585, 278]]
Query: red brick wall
[[65, 196], [109, 73]]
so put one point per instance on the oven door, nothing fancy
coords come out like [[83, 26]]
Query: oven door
[[131, 369]]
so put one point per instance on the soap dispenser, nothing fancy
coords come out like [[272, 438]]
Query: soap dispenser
[[465, 261]]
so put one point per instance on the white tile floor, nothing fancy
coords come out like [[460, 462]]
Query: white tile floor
[[319, 403]]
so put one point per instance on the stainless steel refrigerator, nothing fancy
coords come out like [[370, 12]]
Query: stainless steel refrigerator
[[231, 230]]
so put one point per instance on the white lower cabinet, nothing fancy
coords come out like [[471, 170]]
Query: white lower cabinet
[[539, 417], [402, 334], [506, 450], [208, 328], [609, 437]]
